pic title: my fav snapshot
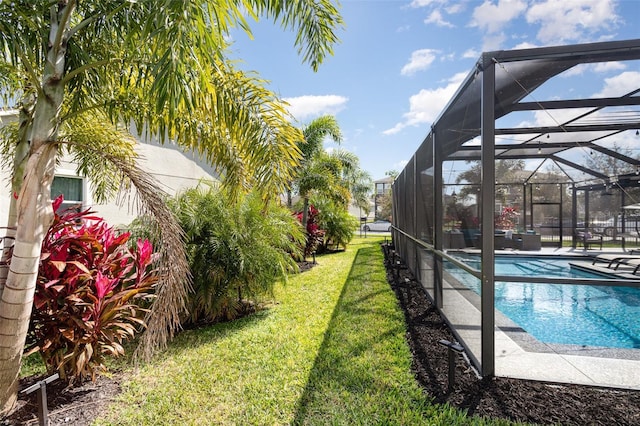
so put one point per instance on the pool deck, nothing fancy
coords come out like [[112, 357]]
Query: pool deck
[[519, 355], [560, 251], [514, 361], [623, 271]]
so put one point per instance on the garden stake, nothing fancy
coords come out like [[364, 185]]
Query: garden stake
[[453, 349], [43, 411]]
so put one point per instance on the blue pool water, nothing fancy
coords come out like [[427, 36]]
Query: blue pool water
[[566, 314]]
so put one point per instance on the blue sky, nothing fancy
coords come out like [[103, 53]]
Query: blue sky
[[399, 62]]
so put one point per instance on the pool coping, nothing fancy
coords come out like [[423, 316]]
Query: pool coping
[[520, 355]]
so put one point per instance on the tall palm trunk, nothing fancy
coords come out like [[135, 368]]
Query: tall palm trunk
[[34, 217], [19, 164], [34, 214]]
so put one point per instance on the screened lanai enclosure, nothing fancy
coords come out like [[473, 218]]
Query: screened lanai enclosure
[[516, 166]]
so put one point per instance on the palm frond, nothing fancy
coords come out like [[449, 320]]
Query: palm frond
[[89, 138], [163, 320], [315, 22], [316, 132]]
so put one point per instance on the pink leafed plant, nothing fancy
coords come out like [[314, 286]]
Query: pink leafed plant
[[92, 292], [506, 218], [315, 235]]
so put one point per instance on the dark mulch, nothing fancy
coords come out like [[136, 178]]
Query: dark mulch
[[518, 400], [79, 405], [305, 265]]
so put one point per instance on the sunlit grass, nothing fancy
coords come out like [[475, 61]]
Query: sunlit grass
[[330, 350], [362, 372], [250, 371], [32, 365]]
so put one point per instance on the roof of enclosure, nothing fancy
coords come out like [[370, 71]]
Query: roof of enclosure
[[517, 74]]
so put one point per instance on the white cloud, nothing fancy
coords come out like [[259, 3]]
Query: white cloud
[[575, 70], [471, 53], [454, 8], [525, 45], [609, 66], [620, 84], [420, 60], [603, 67], [557, 117], [561, 21], [305, 107], [613, 87], [448, 57], [436, 18], [492, 17], [493, 42], [395, 129], [400, 165], [425, 105], [423, 3]]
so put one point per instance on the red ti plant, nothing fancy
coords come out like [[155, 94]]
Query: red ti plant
[[506, 218], [315, 235], [91, 294]]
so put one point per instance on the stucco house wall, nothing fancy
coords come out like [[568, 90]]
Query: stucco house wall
[[173, 170]]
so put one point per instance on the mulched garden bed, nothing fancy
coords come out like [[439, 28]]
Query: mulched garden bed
[[518, 400], [78, 406]]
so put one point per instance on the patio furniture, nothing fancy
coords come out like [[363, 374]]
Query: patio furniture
[[613, 259], [453, 240], [528, 242], [635, 263], [504, 239], [499, 240], [588, 239]]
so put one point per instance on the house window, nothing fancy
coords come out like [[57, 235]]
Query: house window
[[71, 188]]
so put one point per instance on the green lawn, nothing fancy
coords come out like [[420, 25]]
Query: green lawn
[[330, 350]]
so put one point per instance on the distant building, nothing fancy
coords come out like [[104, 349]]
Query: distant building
[[382, 187]]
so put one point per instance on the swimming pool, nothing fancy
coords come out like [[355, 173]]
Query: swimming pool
[[564, 314]]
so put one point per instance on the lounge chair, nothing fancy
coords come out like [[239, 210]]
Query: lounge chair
[[633, 262], [613, 259]]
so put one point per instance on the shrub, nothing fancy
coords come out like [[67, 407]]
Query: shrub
[[339, 226], [90, 294], [237, 249]]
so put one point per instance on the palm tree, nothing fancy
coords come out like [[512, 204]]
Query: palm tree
[[160, 65], [237, 250], [336, 174], [312, 173], [358, 181], [361, 187]]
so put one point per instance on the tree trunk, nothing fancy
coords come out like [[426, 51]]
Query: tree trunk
[[19, 163], [34, 218], [34, 213]]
